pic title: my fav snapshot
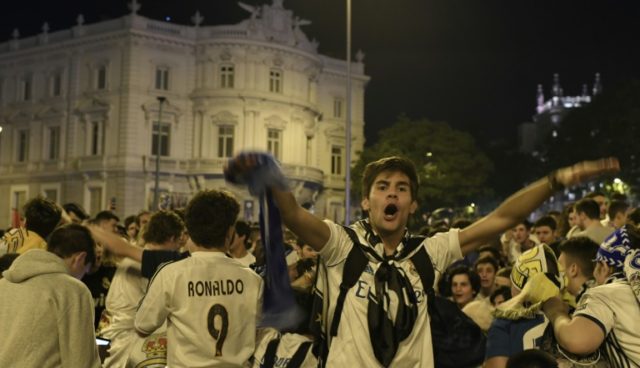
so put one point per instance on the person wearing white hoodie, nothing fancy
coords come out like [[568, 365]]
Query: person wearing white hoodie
[[46, 312]]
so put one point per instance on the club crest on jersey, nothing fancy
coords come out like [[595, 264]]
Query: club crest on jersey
[[155, 349]]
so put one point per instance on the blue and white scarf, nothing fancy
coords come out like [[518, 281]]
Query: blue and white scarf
[[279, 307]]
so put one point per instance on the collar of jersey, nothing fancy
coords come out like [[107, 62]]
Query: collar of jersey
[[373, 241], [209, 254]]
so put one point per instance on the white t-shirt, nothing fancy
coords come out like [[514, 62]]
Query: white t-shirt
[[247, 260], [352, 347], [211, 304], [127, 289], [615, 309]]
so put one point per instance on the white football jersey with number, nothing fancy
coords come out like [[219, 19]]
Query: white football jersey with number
[[211, 303]]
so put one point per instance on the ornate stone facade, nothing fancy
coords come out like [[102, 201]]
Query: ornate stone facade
[[82, 121]]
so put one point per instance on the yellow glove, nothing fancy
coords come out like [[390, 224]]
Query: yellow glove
[[538, 289]]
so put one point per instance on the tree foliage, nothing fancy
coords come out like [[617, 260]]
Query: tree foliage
[[451, 169]]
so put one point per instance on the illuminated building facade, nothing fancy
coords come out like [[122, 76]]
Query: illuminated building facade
[[82, 121]]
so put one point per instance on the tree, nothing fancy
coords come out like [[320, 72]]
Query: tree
[[451, 169]]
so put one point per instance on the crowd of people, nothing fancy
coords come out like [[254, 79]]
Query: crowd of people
[[191, 287]]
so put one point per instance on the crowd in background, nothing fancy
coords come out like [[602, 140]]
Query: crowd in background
[[478, 284]]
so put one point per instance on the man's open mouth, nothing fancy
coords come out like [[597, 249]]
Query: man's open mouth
[[390, 210]]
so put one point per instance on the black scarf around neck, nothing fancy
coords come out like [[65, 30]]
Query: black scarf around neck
[[392, 288]]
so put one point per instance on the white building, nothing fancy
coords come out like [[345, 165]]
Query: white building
[[551, 112], [80, 113]]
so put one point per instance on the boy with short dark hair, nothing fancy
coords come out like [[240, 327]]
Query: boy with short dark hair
[[374, 332], [46, 313], [212, 301], [606, 316], [41, 218]]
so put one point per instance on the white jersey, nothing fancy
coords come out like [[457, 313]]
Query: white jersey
[[127, 289], [615, 309], [351, 347], [211, 304], [247, 260], [287, 347]]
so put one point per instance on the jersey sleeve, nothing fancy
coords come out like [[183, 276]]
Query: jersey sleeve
[[594, 306], [152, 259], [337, 247], [443, 249], [153, 309]]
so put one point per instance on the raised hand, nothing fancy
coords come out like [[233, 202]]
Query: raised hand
[[258, 170], [586, 170]]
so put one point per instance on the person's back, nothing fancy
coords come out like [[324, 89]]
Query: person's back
[[211, 316], [46, 315], [605, 319], [615, 306], [211, 302], [128, 286], [127, 289], [41, 218]]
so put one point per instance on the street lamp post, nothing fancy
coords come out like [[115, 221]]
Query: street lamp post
[[156, 191], [347, 187]]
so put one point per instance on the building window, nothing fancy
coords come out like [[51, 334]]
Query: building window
[[225, 141], [336, 160], [96, 138], [56, 85], [23, 145], [54, 143], [161, 135], [227, 79], [95, 200], [101, 77], [19, 196], [25, 86], [275, 81], [19, 199], [337, 107], [162, 78], [274, 142], [51, 194]]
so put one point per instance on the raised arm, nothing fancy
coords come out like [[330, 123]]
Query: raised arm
[[115, 244], [579, 335], [523, 202], [260, 173], [306, 226]]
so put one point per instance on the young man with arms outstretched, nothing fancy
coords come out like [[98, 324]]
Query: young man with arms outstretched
[[390, 187]]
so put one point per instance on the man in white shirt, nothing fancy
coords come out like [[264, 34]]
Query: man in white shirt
[[588, 211], [238, 249], [128, 286], [607, 315], [211, 302], [390, 188]]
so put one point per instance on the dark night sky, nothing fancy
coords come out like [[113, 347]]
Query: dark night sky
[[472, 63]]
